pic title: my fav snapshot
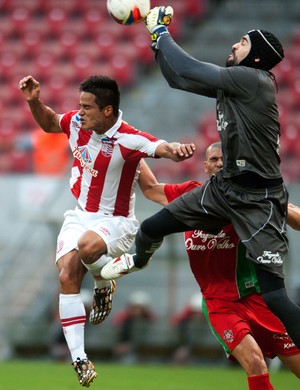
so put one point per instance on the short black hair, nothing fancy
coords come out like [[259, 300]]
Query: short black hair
[[105, 89]]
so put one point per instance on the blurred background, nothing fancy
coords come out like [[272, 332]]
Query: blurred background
[[61, 42]]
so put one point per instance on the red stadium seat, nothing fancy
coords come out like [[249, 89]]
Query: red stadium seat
[[296, 37], [20, 161], [284, 72], [105, 44], [44, 63], [207, 127], [20, 17], [8, 133], [295, 90], [30, 5], [6, 165], [123, 69], [93, 19], [196, 9], [56, 19], [71, 8], [69, 43], [141, 42], [32, 42], [8, 60]]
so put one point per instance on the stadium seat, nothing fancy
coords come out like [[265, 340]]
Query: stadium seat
[[32, 42], [8, 133], [20, 161], [30, 5], [8, 61], [56, 19], [105, 44], [141, 43], [6, 165], [69, 43], [296, 37], [284, 72], [207, 128], [20, 17], [93, 19], [70, 8], [122, 69], [196, 8], [44, 62]]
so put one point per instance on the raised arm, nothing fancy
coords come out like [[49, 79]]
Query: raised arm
[[175, 151], [47, 119], [149, 186], [184, 72]]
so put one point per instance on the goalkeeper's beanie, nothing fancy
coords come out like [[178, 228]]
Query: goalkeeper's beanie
[[266, 47]]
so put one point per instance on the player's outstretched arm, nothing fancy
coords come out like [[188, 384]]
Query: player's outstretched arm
[[149, 186], [175, 151], [293, 217], [46, 118]]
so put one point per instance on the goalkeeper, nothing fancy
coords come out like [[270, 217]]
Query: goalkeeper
[[249, 191]]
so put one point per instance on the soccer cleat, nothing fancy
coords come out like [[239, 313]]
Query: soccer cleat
[[118, 267], [85, 371], [102, 303]]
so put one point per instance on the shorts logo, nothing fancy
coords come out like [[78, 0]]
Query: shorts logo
[[281, 336], [60, 246], [228, 336], [288, 345], [268, 257], [104, 231], [287, 341]]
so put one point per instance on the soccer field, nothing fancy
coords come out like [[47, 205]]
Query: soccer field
[[34, 375]]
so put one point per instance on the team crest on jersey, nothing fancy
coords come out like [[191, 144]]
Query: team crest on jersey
[[85, 154], [107, 147], [228, 336], [82, 154]]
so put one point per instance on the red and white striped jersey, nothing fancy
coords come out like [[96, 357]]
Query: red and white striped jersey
[[105, 168]]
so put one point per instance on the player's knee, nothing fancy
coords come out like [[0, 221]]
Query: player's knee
[[89, 250], [255, 364], [70, 281]]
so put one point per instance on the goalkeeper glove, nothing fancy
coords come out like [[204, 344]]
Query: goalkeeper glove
[[157, 21]]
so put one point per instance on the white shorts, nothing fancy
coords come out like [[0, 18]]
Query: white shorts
[[117, 232]]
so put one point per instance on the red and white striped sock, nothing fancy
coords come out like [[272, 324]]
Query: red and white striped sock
[[260, 382], [72, 316]]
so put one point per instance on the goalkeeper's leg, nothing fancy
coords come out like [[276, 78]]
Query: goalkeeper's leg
[[151, 234], [275, 296], [148, 239]]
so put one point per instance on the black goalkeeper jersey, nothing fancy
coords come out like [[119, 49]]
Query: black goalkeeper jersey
[[247, 115]]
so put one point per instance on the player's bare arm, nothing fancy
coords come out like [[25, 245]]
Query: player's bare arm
[[175, 151], [151, 189], [45, 116], [293, 218]]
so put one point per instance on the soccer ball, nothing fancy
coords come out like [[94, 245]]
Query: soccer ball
[[128, 12]]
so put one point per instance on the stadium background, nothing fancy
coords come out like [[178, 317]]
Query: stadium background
[[62, 42]]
